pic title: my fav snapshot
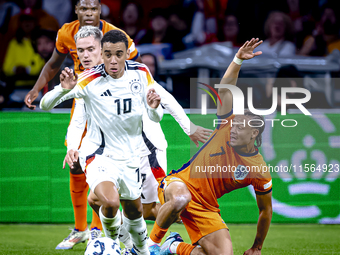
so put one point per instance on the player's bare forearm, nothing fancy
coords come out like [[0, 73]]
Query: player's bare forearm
[[50, 69], [48, 72], [263, 224], [231, 75], [229, 78], [264, 203]]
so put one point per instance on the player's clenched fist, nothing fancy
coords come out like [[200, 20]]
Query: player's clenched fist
[[68, 78], [153, 99]]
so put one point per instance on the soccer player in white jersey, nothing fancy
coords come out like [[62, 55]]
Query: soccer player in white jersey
[[115, 95], [153, 153]]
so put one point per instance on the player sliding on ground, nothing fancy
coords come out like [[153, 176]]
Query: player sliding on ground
[[193, 195]]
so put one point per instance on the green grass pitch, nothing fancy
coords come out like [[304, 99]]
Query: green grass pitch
[[30, 239]]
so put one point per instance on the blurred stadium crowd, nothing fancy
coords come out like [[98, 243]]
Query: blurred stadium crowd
[[28, 29]]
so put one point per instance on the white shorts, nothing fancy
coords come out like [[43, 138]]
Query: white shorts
[[127, 179], [152, 166]]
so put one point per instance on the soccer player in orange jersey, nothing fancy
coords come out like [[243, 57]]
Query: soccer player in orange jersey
[[192, 191], [88, 12]]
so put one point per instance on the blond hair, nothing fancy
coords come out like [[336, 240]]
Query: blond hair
[[87, 31]]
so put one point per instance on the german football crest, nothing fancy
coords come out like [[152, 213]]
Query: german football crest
[[135, 86]]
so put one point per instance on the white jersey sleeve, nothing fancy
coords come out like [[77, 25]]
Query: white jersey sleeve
[[155, 115], [77, 125], [176, 110], [58, 95]]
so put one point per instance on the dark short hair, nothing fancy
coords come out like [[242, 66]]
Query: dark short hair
[[79, 1], [115, 36]]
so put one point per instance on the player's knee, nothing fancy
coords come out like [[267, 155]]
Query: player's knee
[[179, 202], [148, 215], [133, 211], [150, 211], [178, 195], [91, 201], [111, 206]]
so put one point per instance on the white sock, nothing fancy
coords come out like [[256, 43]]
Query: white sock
[[138, 233], [173, 247], [150, 242], [124, 235], [111, 226]]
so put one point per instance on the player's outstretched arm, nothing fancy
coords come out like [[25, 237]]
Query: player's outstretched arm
[[54, 97], [264, 203], [231, 75], [196, 133], [48, 72]]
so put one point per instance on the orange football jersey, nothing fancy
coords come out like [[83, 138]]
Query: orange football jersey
[[65, 41], [216, 169]]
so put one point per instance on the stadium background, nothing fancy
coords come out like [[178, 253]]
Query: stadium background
[[35, 189]]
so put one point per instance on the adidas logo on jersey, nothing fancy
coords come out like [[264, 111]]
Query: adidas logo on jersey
[[106, 93]]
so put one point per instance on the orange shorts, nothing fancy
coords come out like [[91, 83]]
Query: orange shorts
[[197, 219]]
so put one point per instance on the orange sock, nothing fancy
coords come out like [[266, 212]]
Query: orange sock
[[157, 233], [79, 188], [184, 249], [96, 223]]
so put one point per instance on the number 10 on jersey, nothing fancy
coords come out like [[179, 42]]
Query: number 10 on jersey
[[124, 104]]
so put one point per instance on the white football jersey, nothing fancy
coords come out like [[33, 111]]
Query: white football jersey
[[115, 108], [153, 135]]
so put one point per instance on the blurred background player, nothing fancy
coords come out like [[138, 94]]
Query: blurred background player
[[22, 63], [88, 12], [153, 155], [192, 192]]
